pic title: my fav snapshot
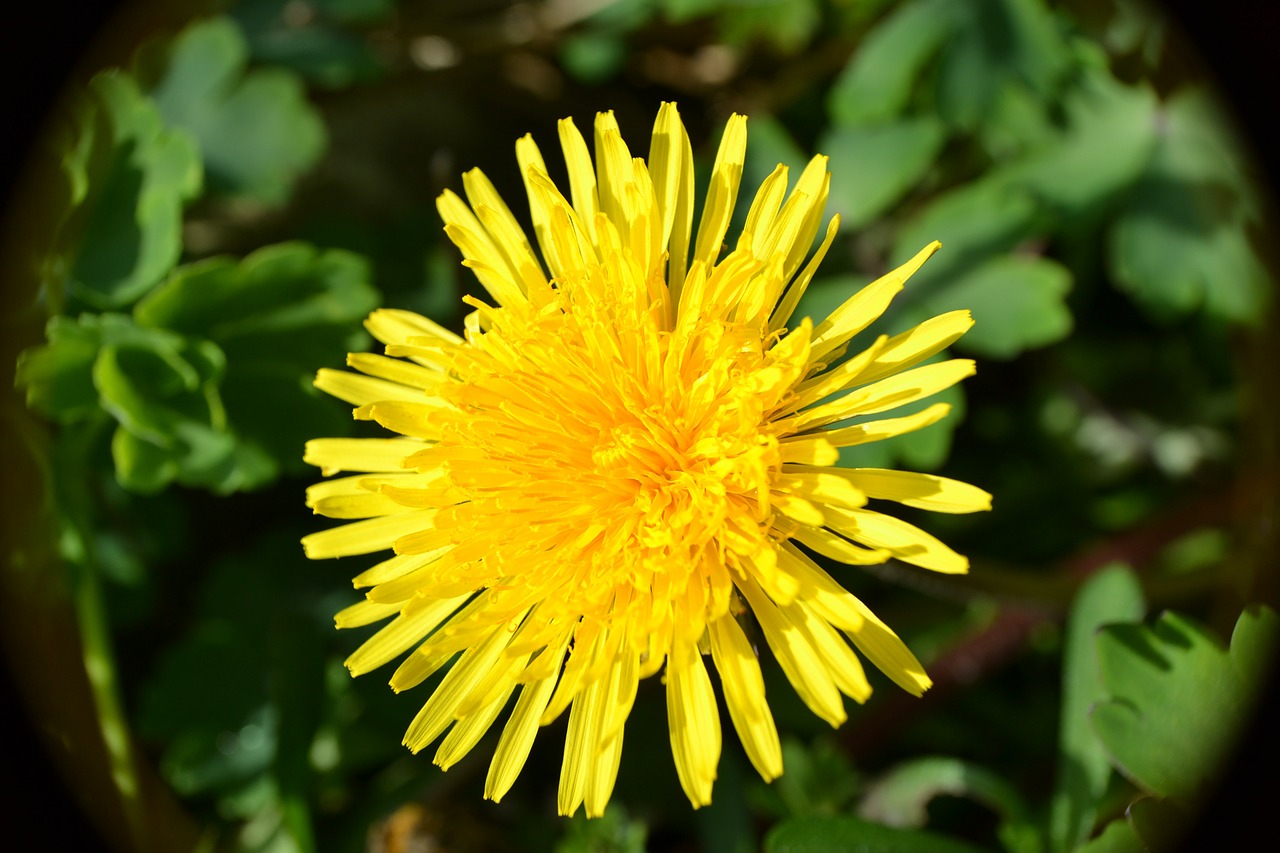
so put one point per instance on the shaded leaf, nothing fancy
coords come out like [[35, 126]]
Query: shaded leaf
[[1117, 837], [785, 24], [1111, 595], [613, 832], [256, 131], [134, 175], [876, 85], [318, 45], [901, 797], [1180, 242], [1158, 824], [997, 43]]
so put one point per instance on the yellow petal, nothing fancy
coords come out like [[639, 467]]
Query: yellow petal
[[517, 738], [744, 694], [839, 607], [897, 390], [332, 455], [364, 537], [695, 726], [398, 635], [869, 431], [865, 306], [726, 174], [904, 541], [924, 491], [800, 662], [918, 343]]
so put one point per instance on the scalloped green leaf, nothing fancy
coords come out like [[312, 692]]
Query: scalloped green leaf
[[1178, 697], [879, 164], [278, 314], [1111, 133], [1084, 767], [256, 130], [975, 222], [996, 44], [134, 175]]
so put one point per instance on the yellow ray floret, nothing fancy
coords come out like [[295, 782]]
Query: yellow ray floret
[[627, 462]]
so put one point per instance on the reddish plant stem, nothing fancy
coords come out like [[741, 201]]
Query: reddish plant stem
[[994, 646]]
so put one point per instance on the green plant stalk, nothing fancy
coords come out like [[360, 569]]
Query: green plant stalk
[[99, 665], [95, 634]]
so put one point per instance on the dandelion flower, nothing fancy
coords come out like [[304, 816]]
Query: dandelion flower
[[625, 464]]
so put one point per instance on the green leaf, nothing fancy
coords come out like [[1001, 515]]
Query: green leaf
[[256, 131], [876, 85], [593, 57], [879, 163], [1177, 697], [357, 11], [784, 24], [998, 43], [141, 466], [686, 10], [58, 375], [974, 222], [613, 832], [1180, 242], [901, 797], [278, 314], [1109, 139], [282, 289], [1117, 837], [840, 834], [136, 175], [1159, 824], [1111, 595], [1018, 303]]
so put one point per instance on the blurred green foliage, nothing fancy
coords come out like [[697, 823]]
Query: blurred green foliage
[[233, 198]]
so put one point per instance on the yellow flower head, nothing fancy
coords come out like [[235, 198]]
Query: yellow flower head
[[615, 468]]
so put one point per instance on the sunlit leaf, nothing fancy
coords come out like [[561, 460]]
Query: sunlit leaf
[[1018, 303], [1177, 697], [1111, 595], [278, 314], [878, 164], [975, 222], [1109, 139]]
